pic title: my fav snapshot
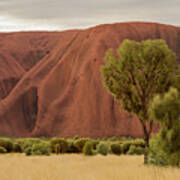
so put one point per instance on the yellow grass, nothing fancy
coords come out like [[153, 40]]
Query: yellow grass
[[79, 167]]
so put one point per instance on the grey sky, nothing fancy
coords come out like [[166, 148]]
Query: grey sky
[[68, 14]]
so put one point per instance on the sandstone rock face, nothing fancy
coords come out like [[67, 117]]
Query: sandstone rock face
[[50, 82]]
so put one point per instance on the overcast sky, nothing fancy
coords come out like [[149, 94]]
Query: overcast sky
[[18, 15]]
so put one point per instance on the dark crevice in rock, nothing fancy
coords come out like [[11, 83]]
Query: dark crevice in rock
[[30, 108]]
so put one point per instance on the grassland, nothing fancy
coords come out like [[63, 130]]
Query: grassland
[[79, 167]]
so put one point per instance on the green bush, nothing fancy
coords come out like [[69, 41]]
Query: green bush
[[165, 110], [126, 139], [30, 145], [7, 144], [161, 151], [28, 151], [95, 142], [71, 147], [3, 150], [79, 144], [17, 148], [125, 147], [156, 155], [19, 141], [104, 139], [102, 148], [88, 148], [116, 149], [57, 148], [138, 142], [29, 142], [113, 139], [40, 149], [59, 144], [135, 150], [75, 137]]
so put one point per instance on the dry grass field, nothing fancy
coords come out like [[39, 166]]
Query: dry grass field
[[79, 167]]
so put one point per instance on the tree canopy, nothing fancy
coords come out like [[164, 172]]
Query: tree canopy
[[137, 72]]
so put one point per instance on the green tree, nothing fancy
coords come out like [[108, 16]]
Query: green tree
[[166, 111], [137, 72]]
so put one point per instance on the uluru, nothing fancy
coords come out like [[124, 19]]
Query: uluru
[[51, 85]]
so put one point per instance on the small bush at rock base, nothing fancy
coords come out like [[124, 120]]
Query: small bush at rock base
[[75, 137], [102, 148], [135, 150], [139, 143], [17, 148], [95, 142], [29, 142], [125, 147], [3, 150], [28, 151], [88, 148], [116, 149], [62, 147], [41, 149], [7, 144], [79, 144], [57, 148], [71, 147]]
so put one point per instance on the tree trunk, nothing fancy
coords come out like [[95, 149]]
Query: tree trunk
[[146, 156], [146, 139]]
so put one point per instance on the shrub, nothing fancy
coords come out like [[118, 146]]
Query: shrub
[[75, 137], [102, 148], [7, 144], [63, 145], [116, 149], [88, 148], [140, 150], [79, 144], [138, 142], [3, 150], [104, 139], [125, 147], [28, 151], [29, 142], [40, 149], [17, 148], [95, 142], [161, 151], [113, 139], [135, 150], [57, 148], [156, 155], [165, 110], [126, 138], [71, 147], [131, 150], [20, 142]]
